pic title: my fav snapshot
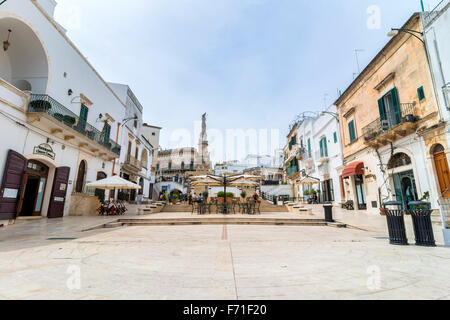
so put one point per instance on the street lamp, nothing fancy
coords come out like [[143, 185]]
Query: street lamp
[[396, 31], [333, 114]]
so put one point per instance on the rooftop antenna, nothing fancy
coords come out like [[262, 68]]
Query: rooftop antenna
[[357, 62]]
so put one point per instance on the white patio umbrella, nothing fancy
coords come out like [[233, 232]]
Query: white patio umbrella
[[114, 182], [309, 181]]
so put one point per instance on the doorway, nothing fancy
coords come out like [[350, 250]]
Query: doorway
[[360, 192], [35, 181], [442, 170], [405, 187]]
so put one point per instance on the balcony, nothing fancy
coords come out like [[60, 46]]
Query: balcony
[[50, 115], [132, 164], [382, 132], [292, 172], [321, 158]]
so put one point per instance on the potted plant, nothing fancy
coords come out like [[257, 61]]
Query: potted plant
[[174, 198], [243, 194], [221, 196], [205, 195], [58, 116], [69, 120], [40, 105]]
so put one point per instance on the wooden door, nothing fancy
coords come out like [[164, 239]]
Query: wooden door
[[442, 170], [59, 191], [11, 185]]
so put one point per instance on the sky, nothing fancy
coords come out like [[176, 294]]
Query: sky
[[249, 64]]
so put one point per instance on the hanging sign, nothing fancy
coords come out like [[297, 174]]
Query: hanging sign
[[44, 149]]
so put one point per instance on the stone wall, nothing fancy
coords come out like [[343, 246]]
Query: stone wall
[[83, 205]]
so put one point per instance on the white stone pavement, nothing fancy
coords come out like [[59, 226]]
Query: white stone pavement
[[218, 262]]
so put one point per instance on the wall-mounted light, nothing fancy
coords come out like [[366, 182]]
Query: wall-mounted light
[[6, 43], [70, 92]]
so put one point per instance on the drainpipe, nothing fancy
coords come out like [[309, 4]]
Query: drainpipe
[[421, 4]]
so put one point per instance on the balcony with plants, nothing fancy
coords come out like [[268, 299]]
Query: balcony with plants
[[69, 124], [392, 127]]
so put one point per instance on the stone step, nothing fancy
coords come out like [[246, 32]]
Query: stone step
[[232, 221]]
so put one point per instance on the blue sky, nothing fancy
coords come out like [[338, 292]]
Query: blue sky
[[247, 63]]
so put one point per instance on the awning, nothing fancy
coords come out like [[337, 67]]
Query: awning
[[353, 169]]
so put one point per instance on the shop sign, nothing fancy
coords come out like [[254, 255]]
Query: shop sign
[[44, 149]]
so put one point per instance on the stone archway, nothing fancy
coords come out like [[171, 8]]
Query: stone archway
[[25, 64]]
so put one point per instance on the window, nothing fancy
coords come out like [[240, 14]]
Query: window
[[83, 117], [157, 167], [323, 147], [107, 133], [421, 93], [399, 160], [170, 165], [293, 142], [182, 165], [335, 137], [129, 148], [153, 134], [352, 131], [389, 108]]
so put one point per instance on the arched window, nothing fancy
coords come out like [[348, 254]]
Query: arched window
[[399, 160], [80, 177], [191, 166], [170, 165], [157, 167], [182, 165], [438, 149]]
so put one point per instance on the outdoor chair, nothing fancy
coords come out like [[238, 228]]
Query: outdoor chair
[[349, 205]]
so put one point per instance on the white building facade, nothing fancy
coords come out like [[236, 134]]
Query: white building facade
[[57, 115], [320, 156], [135, 161]]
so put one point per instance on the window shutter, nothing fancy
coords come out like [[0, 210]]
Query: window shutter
[[351, 130], [382, 109], [309, 148], [325, 147], [335, 137], [397, 111], [321, 148]]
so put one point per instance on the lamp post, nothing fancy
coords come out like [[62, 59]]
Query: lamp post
[[333, 114], [415, 33]]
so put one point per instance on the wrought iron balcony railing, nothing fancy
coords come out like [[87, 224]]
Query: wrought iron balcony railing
[[42, 103], [134, 162], [378, 127]]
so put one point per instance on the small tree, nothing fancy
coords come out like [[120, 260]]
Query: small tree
[[243, 194]]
